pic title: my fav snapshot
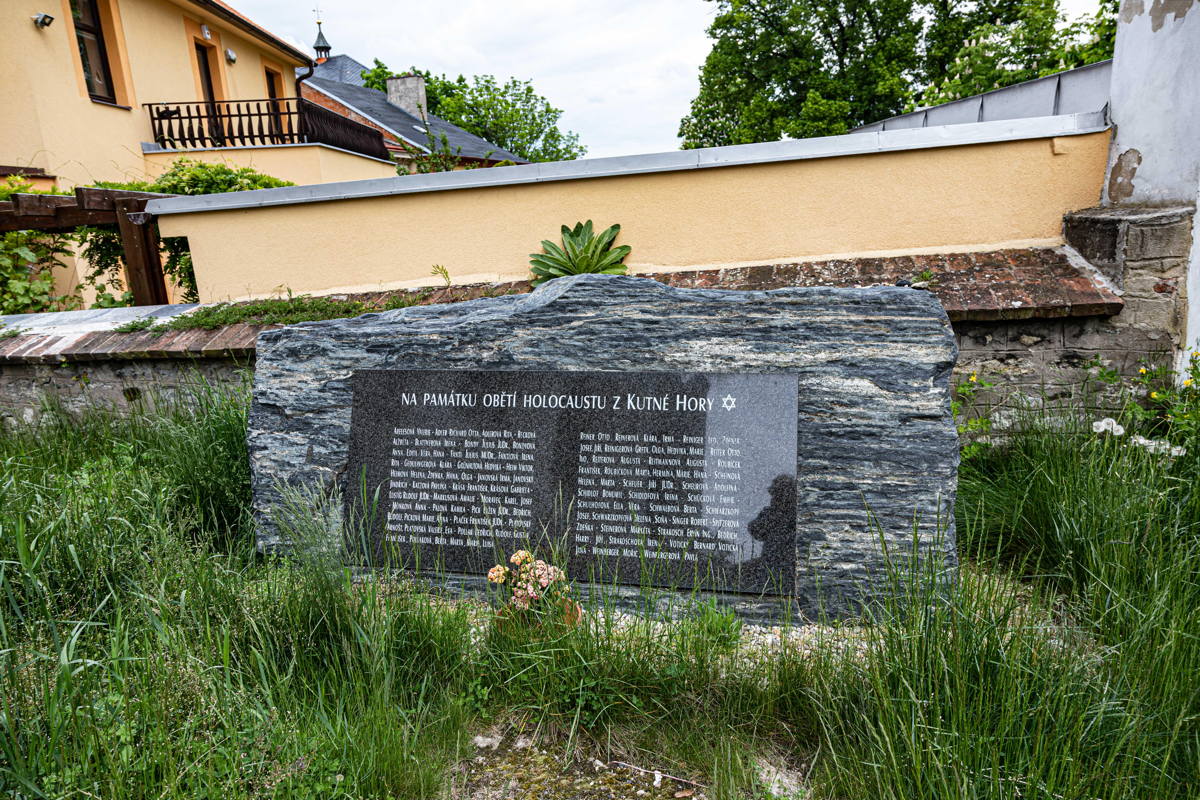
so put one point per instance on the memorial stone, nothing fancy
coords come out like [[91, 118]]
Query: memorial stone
[[654, 478], [781, 443]]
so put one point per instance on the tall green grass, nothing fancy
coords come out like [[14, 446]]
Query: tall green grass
[[147, 651]]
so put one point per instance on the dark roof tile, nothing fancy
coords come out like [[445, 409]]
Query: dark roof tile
[[374, 105], [342, 69]]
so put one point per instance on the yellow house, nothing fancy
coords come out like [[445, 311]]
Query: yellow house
[[116, 90]]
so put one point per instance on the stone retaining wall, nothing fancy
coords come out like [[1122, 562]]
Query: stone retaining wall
[[117, 383], [1030, 319]]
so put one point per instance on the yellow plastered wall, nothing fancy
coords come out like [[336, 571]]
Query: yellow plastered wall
[[50, 122], [300, 163], [972, 197]]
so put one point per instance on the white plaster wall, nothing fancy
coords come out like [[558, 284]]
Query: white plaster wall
[[1191, 340], [1155, 104]]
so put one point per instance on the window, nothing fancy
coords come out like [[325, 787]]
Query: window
[[90, 36]]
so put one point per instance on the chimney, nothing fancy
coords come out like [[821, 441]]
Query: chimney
[[407, 92]]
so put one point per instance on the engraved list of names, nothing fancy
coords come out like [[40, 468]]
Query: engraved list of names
[[673, 479]]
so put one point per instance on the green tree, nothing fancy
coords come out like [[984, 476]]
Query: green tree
[[796, 68], [377, 76], [1037, 42], [1096, 38], [799, 68], [948, 24], [511, 115]]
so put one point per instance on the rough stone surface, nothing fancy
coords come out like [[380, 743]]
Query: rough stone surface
[[118, 385], [877, 450], [1138, 249], [1052, 358]]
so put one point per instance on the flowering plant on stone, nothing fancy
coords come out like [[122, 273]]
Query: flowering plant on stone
[[1108, 425], [534, 585], [1160, 407], [1170, 399], [973, 424]]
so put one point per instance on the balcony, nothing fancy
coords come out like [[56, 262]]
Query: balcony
[[259, 123]]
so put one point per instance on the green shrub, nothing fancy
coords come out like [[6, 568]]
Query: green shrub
[[582, 251], [186, 176], [102, 246], [27, 262]]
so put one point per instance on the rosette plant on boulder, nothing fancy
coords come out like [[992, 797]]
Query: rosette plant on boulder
[[582, 251]]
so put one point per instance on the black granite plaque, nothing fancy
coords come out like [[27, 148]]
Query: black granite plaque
[[659, 478]]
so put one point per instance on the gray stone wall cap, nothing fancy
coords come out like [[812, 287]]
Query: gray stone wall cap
[[1134, 213], [62, 323], [707, 158]]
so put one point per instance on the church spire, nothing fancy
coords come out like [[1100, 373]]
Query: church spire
[[321, 45]]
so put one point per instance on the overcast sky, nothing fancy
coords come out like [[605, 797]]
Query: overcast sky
[[623, 71]]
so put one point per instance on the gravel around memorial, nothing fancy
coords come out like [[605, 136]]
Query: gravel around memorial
[[512, 766]]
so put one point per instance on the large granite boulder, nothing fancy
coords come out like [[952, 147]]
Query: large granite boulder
[[877, 452]]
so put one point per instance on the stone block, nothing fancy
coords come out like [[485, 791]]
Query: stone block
[[1098, 239], [1152, 312], [1172, 240], [1035, 335], [980, 337], [1144, 284], [873, 369], [1161, 267]]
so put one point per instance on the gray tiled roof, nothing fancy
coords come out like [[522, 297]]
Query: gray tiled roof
[[374, 104], [343, 69]]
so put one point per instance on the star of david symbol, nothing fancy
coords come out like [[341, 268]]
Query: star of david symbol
[[729, 402]]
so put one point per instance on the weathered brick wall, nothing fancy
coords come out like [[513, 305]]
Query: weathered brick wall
[[1142, 253], [1052, 356]]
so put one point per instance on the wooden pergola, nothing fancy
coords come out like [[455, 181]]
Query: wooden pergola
[[126, 210]]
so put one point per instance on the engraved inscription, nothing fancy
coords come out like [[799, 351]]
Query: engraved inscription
[[662, 478]]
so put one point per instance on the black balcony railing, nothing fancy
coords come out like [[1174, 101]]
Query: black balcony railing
[[250, 123]]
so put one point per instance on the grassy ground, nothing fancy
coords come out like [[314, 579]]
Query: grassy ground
[[146, 652]]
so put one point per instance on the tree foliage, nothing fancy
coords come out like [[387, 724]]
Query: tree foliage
[[794, 68], [510, 115], [800, 68], [1039, 41], [28, 260], [102, 246]]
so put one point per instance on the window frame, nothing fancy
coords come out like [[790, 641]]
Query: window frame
[[96, 30]]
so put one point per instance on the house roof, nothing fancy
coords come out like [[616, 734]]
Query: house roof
[[342, 69], [373, 104], [231, 14]]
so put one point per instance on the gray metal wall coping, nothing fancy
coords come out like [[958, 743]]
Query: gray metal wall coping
[[678, 160], [1071, 91]]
